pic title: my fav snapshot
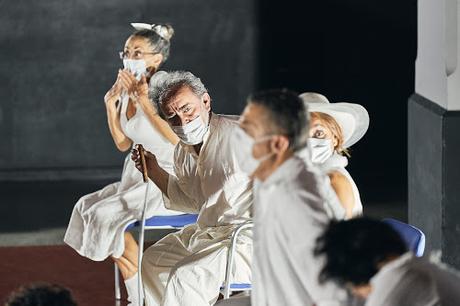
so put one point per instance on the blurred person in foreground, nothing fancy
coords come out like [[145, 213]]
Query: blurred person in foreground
[[371, 259], [291, 197], [41, 294]]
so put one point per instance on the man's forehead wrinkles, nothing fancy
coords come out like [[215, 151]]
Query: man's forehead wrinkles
[[184, 106], [178, 104], [176, 99]]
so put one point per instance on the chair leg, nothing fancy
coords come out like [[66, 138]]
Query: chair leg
[[139, 264], [141, 248], [139, 259], [117, 283], [231, 253]]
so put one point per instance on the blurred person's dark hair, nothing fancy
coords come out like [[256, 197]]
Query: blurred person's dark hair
[[286, 113], [355, 249], [41, 294]]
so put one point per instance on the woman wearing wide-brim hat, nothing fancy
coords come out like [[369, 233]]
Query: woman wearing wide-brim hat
[[335, 127]]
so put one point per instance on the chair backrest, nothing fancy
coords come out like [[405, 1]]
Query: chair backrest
[[414, 237]]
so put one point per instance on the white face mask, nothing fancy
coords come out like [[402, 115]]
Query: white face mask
[[193, 132], [244, 145], [136, 67], [320, 149]]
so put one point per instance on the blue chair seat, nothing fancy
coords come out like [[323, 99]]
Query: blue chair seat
[[414, 237], [174, 221], [236, 287]]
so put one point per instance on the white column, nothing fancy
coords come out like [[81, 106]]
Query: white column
[[437, 71]]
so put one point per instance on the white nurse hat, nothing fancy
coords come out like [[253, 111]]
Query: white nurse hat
[[352, 118], [160, 29]]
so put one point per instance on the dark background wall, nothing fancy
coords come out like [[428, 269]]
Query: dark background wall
[[357, 51], [58, 58]]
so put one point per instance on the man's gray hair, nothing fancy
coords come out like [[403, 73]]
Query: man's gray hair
[[165, 85]]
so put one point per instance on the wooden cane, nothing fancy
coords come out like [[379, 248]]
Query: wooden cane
[[145, 175]]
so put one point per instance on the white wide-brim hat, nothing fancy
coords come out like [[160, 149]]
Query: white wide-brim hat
[[352, 118]]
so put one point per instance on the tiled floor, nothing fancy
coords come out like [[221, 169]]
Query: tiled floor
[[91, 283]]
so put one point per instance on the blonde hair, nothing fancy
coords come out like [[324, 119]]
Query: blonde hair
[[330, 123]]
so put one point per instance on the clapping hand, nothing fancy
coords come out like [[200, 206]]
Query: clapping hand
[[112, 96]]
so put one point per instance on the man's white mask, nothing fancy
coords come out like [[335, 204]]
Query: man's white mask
[[320, 149], [193, 132]]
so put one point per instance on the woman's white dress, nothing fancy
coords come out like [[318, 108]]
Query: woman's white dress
[[338, 163], [98, 222]]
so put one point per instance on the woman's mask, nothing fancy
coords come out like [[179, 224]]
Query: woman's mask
[[193, 132], [137, 67], [320, 149], [244, 144]]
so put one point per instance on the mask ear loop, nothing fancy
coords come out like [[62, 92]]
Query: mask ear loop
[[261, 140]]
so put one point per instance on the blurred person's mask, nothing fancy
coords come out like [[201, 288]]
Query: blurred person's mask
[[244, 145]]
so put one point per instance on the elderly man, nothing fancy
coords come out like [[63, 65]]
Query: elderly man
[[188, 267], [290, 200]]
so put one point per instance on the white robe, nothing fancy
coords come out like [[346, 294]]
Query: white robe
[[188, 267], [289, 215], [98, 222], [410, 280]]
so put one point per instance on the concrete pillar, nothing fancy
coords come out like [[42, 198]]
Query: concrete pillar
[[434, 129]]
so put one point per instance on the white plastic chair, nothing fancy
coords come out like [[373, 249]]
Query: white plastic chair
[[155, 223], [229, 287], [178, 222]]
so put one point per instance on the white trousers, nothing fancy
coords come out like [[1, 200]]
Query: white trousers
[[173, 275]]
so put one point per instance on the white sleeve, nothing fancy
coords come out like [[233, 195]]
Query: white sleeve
[[331, 303], [328, 293], [177, 199], [323, 294]]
